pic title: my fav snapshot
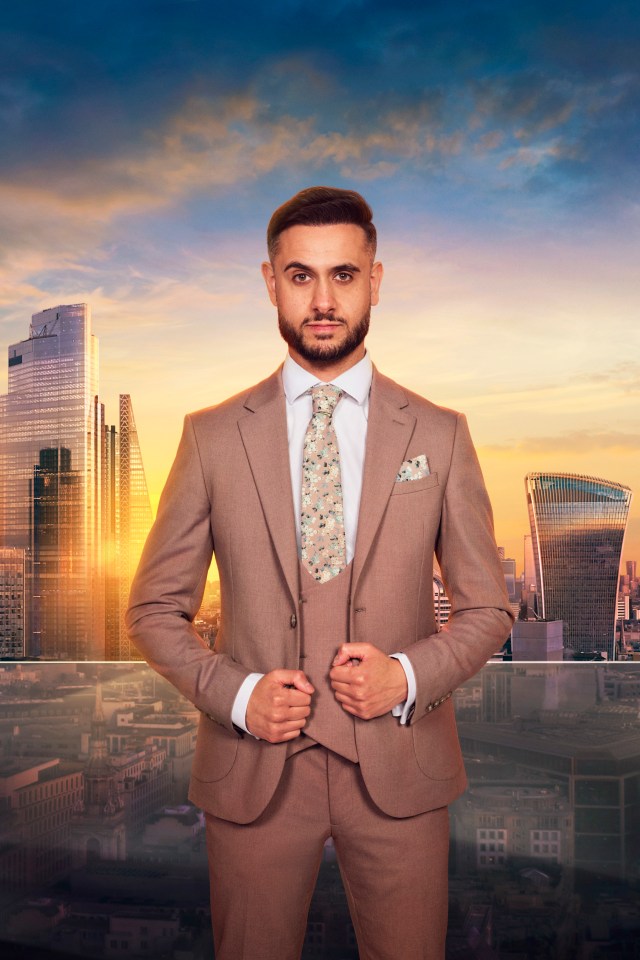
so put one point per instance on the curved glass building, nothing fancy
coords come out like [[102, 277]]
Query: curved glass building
[[577, 528]]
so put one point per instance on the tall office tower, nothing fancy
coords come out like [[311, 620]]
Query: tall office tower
[[631, 569], [51, 439], [511, 583], [12, 603], [577, 529], [135, 515], [111, 528]]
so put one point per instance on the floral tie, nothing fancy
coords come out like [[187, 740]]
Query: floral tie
[[322, 518]]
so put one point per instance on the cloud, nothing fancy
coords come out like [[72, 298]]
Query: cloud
[[625, 375], [573, 441], [209, 145]]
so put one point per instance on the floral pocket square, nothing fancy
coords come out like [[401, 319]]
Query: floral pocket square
[[414, 469]]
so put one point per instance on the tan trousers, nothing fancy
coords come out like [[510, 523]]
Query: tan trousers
[[263, 873]]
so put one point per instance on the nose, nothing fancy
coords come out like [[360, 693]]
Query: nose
[[323, 297]]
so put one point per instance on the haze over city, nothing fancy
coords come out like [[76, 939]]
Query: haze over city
[[146, 147]]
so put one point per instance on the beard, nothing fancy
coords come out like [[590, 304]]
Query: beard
[[324, 351]]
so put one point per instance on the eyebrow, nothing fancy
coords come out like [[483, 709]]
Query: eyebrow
[[340, 268]]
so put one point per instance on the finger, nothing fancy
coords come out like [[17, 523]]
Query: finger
[[277, 728], [297, 713], [292, 679], [280, 736], [300, 681], [345, 699], [350, 709], [295, 698], [344, 688], [343, 674], [343, 655], [358, 650]]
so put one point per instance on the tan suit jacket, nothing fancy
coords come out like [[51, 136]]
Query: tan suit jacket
[[229, 491]]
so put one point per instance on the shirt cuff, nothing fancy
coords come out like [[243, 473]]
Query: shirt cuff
[[239, 708], [403, 710]]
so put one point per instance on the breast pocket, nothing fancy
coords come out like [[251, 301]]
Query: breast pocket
[[402, 487]]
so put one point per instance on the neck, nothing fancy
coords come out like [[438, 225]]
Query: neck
[[326, 371]]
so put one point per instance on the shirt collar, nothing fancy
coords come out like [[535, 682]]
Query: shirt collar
[[356, 381]]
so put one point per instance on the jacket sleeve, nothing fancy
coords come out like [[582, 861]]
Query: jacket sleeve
[[168, 586], [480, 617]]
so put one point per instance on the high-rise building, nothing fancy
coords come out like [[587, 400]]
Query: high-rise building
[[60, 484], [135, 516], [577, 528], [50, 498]]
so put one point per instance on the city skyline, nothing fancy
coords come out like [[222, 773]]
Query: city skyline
[[94, 818], [126, 450], [497, 145]]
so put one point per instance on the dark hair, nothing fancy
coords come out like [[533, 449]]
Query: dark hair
[[319, 206]]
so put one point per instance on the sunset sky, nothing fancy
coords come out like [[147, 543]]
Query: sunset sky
[[145, 144]]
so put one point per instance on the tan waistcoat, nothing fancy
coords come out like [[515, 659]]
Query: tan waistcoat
[[324, 612]]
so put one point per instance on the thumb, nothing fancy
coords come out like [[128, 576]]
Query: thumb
[[344, 654], [301, 682]]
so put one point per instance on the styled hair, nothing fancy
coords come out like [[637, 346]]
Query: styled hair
[[319, 206]]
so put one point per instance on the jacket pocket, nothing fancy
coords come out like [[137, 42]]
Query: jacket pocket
[[216, 751], [436, 744], [413, 486]]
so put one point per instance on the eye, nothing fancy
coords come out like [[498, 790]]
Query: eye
[[299, 277], [343, 276]]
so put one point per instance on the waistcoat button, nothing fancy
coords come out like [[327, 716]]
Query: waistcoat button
[[294, 620]]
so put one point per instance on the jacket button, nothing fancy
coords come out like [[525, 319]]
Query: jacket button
[[293, 621]]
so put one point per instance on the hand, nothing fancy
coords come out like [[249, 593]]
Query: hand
[[370, 686], [279, 705]]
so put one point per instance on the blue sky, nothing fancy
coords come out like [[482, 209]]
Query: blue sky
[[145, 144]]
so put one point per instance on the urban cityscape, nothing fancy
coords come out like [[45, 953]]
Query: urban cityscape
[[75, 512], [102, 854]]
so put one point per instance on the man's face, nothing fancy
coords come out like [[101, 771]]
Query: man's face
[[323, 283]]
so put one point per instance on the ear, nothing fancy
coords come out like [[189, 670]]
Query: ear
[[375, 279], [270, 280]]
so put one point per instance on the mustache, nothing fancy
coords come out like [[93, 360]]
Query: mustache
[[319, 317]]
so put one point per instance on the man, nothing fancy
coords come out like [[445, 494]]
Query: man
[[325, 492]]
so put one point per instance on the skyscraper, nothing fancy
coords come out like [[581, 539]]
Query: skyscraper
[[60, 488], [577, 528], [135, 515], [49, 501]]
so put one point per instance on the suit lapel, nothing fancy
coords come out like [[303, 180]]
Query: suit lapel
[[264, 435], [389, 430]]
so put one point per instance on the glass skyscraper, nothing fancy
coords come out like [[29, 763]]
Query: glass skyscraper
[[135, 516], [73, 495], [577, 528], [50, 495]]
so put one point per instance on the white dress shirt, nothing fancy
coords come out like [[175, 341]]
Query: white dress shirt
[[350, 422]]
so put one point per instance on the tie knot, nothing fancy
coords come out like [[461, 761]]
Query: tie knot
[[325, 397]]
